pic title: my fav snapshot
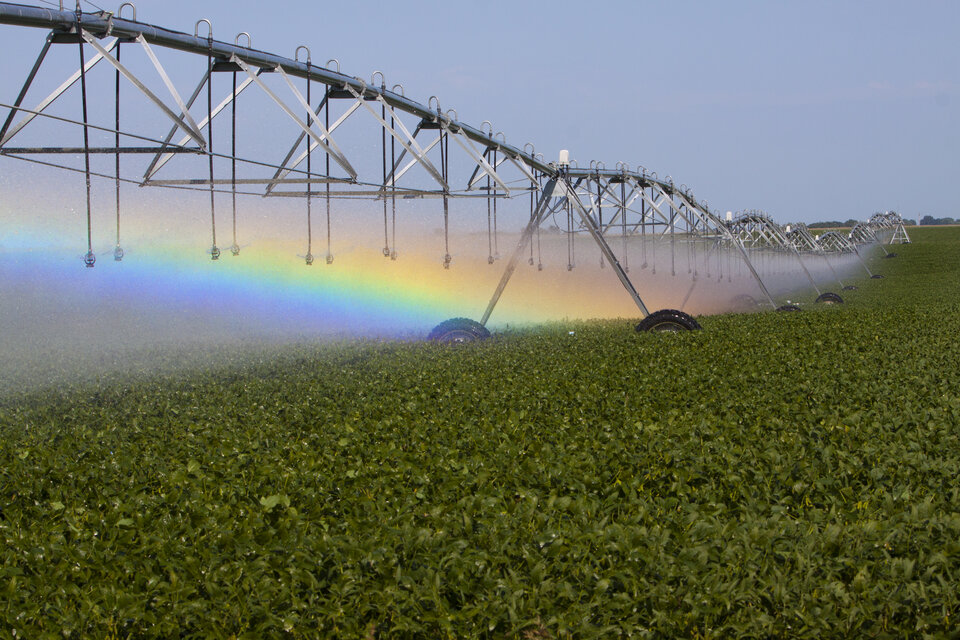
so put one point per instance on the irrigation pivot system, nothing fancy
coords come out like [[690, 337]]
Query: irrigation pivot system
[[123, 103]]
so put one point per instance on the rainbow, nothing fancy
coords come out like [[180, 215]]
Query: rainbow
[[268, 288]]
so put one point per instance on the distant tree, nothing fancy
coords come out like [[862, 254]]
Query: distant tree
[[932, 220], [851, 222], [828, 224]]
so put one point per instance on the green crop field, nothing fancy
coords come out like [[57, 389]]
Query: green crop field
[[774, 475]]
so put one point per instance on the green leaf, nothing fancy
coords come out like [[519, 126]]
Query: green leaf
[[270, 502]]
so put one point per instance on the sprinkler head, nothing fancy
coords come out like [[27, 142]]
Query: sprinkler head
[[539, 266], [393, 254], [308, 259], [530, 262], [489, 259], [214, 252], [117, 253], [446, 261], [235, 249], [386, 252], [329, 258], [89, 259], [569, 267]]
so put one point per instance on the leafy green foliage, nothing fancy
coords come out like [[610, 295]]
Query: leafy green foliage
[[773, 475]]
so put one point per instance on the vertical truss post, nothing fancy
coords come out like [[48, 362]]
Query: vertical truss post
[[326, 155], [490, 222], [214, 250], [235, 248], [673, 237], [444, 159], [309, 257], [393, 192], [643, 224], [89, 259], [623, 223], [600, 213], [117, 251], [383, 150], [496, 241]]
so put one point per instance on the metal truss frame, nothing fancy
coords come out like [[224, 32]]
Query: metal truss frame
[[605, 204]]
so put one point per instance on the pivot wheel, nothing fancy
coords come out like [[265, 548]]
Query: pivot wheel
[[668, 320], [788, 307], [876, 276], [458, 331], [890, 255], [849, 287], [829, 297]]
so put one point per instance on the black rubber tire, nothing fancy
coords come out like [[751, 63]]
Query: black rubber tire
[[890, 255], [788, 307], [849, 287], [668, 320], [458, 331], [828, 297], [743, 301], [876, 276]]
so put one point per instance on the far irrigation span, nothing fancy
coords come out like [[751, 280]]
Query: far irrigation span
[[626, 211]]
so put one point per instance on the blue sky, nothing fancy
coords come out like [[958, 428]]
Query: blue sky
[[810, 111]]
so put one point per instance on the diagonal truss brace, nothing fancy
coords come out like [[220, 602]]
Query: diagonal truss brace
[[477, 175], [26, 85], [410, 143], [162, 159], [334, 153], [286, 166], [193, 128], [324, 139], [59, 91], [186, 122], [399, 174], [153, 167], [467, 145], [536, 218], [595, 231]]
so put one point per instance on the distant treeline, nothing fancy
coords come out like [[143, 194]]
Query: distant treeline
[[925, 220], [829, 224], [907, 222]]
